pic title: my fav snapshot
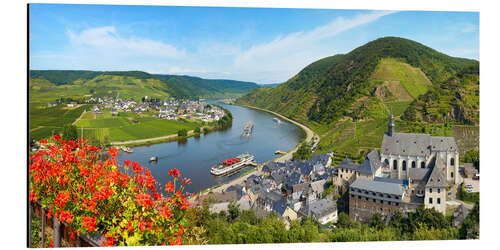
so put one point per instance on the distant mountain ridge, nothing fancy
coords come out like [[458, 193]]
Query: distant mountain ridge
[[173, 85]]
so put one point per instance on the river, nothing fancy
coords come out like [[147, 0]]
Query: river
[[194, 157]]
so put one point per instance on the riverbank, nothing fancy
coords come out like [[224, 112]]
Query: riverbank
[[309, 133]]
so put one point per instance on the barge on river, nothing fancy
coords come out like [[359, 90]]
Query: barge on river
[[247, 130], [232, 164]]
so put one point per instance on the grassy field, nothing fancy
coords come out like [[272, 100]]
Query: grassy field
[[395, 73], [130, 126]]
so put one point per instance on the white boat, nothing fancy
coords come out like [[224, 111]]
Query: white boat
[[232, 164]]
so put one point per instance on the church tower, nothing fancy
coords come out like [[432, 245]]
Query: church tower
[[390, 126]]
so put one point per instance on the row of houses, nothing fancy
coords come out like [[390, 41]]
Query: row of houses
[[170, 109], [292, 189]]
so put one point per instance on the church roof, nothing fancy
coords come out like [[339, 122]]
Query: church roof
[[438, 176], [418, 174], [416, 144]]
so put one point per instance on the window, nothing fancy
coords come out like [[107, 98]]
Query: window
[[413, 164], [430, 190], [439, 200], [451, 174], [439, 190], [404, 165], [422, 165], [430, 200], [395, 165], [386, 162], [340, 176], [452, 161]]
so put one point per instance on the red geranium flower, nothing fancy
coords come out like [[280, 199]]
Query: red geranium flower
[[113, 152], [174, 172]]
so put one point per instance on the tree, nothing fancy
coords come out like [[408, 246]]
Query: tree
[[182, 133], [197, 130], [234, 211], [69, 132], [472, 156], [303, 152], [376, 221]]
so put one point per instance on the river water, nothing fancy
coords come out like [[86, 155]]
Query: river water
[[194, 157]]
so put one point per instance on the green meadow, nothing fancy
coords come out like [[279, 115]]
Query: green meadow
[[130, 126]]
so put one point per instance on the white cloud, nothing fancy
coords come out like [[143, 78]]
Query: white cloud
[[293, 51], [464, 27], [107, 40]]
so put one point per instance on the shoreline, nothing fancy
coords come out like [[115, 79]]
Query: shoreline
[[309, 133]]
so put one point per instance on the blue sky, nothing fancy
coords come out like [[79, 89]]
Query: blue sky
[[263, 45]]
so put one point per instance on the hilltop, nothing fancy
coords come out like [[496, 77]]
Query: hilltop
[[132, 84], [347, 98]]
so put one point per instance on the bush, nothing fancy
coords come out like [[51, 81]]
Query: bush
[[182, 132]]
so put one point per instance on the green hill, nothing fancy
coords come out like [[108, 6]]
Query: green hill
[[347, 98], [134, 84]]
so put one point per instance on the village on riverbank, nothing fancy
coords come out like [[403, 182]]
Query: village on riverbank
[[410, 171]]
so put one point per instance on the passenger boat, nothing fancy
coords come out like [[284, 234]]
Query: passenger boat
[[247, 130], [126, 149], [232, 164]]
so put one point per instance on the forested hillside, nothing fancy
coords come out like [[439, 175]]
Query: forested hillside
[[133, 84], [347, 98]]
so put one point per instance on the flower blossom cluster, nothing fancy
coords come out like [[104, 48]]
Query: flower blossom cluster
[[94, 195]]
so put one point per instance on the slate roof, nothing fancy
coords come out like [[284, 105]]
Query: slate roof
[[319, 208], [278, 178], [378, 186], [389, 180], [300, 187], [318, 186], [271, 196], [441, 143], [438, 175], [406, 144], [419, 174], [236, 188], [293, 179], [279, 207], [416, 144], [347, 163]]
